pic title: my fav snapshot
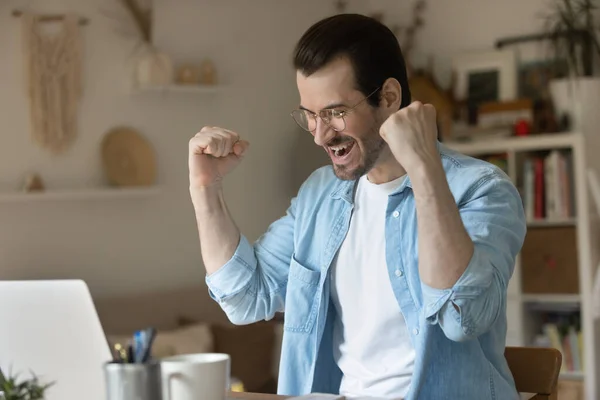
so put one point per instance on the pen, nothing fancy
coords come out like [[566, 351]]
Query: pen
[[138, 346], [150, 335], [129, 357]]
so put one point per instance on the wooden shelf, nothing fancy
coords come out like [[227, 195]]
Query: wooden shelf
[[539, 142], [552, 302], [572, 375], [175, 88], [540, 223], [79, 194], [551, 298]]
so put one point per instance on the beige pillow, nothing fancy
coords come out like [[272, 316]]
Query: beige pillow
[[196, 338], [191, 339]]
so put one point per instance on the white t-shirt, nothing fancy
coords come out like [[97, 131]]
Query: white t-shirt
[[371, 343]]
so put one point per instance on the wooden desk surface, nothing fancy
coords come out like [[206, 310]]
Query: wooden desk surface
[[255, 396]]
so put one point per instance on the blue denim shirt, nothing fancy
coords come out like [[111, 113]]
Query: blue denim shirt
[[459, 353]]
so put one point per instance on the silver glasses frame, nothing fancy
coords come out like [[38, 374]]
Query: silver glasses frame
[[327, 114]]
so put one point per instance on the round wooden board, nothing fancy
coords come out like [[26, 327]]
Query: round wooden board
[[128, 158]]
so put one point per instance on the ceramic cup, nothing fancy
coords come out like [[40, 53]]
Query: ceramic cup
[[195, 376]]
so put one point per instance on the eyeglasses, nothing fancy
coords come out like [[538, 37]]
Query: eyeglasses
[[334, 118]]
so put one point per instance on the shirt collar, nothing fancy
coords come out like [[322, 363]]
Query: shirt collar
[[345, 190]]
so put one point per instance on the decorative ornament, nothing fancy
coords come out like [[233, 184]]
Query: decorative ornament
[[154, 69], [33, 183], [53, 65], [522, 128], [128, 158], [188, 75], [208, 73]]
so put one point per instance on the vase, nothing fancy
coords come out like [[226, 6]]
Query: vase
[[577, 98], [154, 68]]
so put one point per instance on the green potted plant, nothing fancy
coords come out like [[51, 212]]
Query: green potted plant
[[573, 32], [11, 388]]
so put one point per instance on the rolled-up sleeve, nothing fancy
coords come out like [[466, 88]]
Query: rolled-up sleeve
[[251, 286], [492, 213], [235, 275]]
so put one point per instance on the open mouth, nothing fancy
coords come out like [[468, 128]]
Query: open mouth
[[341, 151]]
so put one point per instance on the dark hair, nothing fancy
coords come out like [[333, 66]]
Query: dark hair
[[371, 47]]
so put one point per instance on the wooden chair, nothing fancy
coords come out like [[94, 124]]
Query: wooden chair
[[535, 370]]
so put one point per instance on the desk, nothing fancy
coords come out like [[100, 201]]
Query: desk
[[262, 396], [255, 396]]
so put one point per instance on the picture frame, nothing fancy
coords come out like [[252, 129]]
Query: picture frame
[[477, 70]]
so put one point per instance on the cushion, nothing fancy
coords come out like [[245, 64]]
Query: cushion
[[190, 339]]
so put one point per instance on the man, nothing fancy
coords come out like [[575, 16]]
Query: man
[[391, 265]]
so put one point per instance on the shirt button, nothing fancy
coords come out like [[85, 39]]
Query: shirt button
[[396, 214], [415, 331], [398, 273]]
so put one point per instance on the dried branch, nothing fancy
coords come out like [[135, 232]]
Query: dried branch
[[410, 33], [141, 18]]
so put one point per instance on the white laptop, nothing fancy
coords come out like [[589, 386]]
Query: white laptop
[[52, 329]]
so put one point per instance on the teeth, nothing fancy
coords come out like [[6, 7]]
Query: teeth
[[341, 146]]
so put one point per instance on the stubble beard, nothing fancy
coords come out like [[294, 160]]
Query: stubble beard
[[372, 146]]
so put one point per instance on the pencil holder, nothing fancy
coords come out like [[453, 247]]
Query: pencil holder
[[132, 381]]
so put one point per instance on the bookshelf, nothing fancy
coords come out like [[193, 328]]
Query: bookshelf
[[550, 172]]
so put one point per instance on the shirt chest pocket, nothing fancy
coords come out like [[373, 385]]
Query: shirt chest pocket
[[301, 302]]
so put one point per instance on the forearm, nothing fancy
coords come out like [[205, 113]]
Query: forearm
[[445, 247], [466, 254], [219, 236], [248, 281]]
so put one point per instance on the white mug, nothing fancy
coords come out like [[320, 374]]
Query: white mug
[[195, 376]]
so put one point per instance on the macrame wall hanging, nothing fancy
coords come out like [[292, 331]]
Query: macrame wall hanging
[[53, 73]]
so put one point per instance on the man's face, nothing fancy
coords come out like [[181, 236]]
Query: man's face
[[357, 148]]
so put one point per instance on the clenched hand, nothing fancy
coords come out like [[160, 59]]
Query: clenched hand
[[411, 134], [213, 153]]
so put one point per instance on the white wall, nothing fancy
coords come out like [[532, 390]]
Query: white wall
[[454, 26], [131, 245]]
